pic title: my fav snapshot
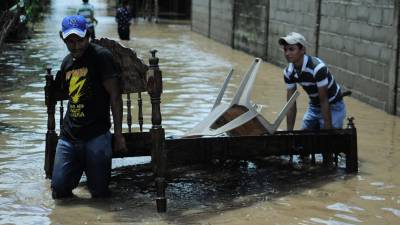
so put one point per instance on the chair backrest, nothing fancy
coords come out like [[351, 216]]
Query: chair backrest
[[132, 68], [133, 74]]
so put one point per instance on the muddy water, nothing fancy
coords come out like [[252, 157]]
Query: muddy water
[[261, 192]]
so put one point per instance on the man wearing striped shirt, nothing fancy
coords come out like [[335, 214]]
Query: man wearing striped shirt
[[326, 109], [87, 10]]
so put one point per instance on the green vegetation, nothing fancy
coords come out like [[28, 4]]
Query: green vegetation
[[34, 8], [15, 15]]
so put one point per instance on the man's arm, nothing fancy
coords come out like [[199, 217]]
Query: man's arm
[[325, 110], [94, 20], [291, 115], [112, 87], [92, 15]]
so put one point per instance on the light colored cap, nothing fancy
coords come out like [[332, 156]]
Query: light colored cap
[[293, 38]]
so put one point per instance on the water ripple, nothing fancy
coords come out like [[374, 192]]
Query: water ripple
[[372, 198], [348, 217], [343, 207], [395, 212]]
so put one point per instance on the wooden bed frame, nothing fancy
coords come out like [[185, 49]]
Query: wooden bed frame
[[137, 77]]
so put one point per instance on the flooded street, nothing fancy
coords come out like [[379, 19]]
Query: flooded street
[[194, 67]]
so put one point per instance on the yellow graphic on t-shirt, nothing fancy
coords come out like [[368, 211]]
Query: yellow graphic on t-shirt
[[75, 88], [77, 79]]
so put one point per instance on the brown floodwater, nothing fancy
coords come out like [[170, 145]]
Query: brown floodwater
[[268, 191]]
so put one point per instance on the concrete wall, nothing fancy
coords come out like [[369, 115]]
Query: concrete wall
[[287, 16], [395, 69], [251, 26], [358, 39], [214, 19], [221, 25], [201, 16]]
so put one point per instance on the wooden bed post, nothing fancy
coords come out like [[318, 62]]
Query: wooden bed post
[[51, 135], [158, 155], [352, 153], [140, 111], [129, 115]]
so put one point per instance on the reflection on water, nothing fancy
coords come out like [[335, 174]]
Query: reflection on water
[[194, 67]]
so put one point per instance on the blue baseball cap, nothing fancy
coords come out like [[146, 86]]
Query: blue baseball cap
[[75, 24]]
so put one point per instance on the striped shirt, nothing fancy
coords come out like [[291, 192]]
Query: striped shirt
[[313, 75], [87, 10]]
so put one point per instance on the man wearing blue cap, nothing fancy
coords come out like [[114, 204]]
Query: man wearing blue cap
[[89, 76]]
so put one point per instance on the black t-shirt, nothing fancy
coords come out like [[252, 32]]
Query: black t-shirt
[[88, 112]]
